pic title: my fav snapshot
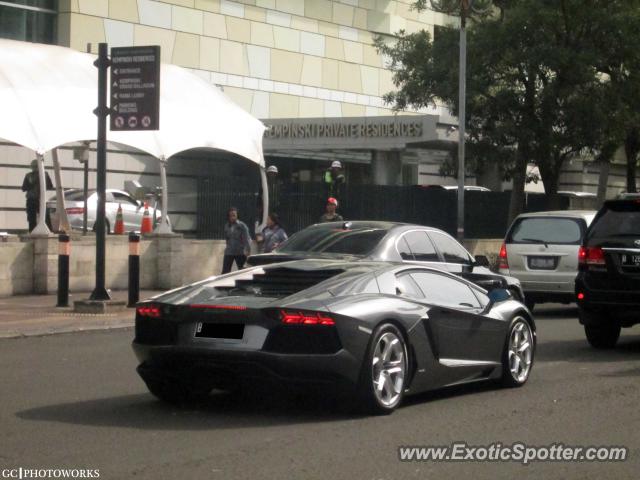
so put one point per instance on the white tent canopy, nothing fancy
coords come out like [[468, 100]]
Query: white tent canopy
[[48, 94]]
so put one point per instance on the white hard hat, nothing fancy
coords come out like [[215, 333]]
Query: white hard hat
[[272, 169], [336, 164]]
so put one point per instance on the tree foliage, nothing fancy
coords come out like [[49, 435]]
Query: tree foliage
[[546, 79]]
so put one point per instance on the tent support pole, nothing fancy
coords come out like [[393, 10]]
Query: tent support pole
[[163, 226], [41, 227], [265, 198], [60, 204]]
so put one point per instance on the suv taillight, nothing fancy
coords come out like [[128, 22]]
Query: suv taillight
[[591, 256], [503, 261]]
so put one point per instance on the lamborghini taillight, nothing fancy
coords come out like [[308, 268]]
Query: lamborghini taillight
[[294, 317]]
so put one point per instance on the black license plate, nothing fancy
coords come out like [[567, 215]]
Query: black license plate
[[542, 263], [234, 331], [629, 260]]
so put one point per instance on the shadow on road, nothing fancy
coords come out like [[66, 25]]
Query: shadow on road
[[451, 392], [219, 411], [628, 349], [556, 311]]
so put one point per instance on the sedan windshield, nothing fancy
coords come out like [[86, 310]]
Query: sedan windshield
[[334, 240]]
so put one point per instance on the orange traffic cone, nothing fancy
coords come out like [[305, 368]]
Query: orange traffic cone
[[146, 226], [118, 229]]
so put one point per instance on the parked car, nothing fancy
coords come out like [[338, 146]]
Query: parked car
[[132, 209], [390, 242], [608, 284], [467, 188], [375, 330], [541, 250]]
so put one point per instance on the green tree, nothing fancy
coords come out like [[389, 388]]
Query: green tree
[[534, 70]]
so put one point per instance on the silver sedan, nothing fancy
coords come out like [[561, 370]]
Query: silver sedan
[[132, 209]]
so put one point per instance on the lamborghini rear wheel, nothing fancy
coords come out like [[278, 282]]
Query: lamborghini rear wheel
[[384, 371]]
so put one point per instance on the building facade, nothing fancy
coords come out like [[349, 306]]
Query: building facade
[[308, 65], [288, 61]]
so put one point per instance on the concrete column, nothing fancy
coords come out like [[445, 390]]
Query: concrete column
[[170, 260], [386, 168], [45, 263]]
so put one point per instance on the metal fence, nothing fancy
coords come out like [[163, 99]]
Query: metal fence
[[300, 205]]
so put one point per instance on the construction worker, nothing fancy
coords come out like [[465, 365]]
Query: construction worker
[[31, 185], [330, 214], [334, 180]]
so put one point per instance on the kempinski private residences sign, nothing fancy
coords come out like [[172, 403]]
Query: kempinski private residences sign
[[349, 132]]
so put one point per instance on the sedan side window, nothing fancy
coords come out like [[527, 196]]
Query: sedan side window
[[404, 250], [122, 198], [452, 251], [421, 247], [444, 290]]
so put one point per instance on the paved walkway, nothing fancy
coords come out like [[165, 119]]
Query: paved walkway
[[33, 315]]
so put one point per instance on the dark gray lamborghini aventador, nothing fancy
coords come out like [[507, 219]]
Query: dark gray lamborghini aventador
[[383, 330]]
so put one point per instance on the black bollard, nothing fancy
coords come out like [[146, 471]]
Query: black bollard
[[64, 250], [134, 269]]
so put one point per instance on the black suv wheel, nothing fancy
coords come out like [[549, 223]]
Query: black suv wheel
[[602, 336]]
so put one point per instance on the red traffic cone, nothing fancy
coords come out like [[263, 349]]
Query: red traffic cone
[[147, 226], [118, 229]]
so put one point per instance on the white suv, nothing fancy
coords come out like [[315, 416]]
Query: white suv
[[541, 250]]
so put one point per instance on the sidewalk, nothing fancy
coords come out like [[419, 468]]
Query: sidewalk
[[34, 315]]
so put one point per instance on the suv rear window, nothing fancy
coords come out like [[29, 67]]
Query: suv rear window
[[617, 219], [561, 231]]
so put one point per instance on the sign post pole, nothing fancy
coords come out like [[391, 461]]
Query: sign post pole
[[100, 292]]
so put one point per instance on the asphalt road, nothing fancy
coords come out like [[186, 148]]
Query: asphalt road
[[74, 401]]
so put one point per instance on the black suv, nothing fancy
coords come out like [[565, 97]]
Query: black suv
[[608, 281]]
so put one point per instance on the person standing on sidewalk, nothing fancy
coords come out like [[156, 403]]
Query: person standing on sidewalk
[[31, 186], [273, 234], [238, 240], [330, 214]]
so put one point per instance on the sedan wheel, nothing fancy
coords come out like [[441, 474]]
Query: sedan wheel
[[384, 371], [518, 356]]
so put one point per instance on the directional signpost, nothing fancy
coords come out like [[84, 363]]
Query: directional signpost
[[135, 88], [135, 105]]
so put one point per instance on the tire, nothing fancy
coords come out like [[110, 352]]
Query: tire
[[176, 393], [518, 353], [604, 336], [386, 341]]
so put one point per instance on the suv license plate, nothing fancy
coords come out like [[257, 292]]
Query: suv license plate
[[630, 260], [542, 263]]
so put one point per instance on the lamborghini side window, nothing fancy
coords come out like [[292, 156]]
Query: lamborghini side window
[[444, 290], [406, 287]]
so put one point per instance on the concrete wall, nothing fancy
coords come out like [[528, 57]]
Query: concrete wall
[[16, 267], [490, 247], [30, 265]]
